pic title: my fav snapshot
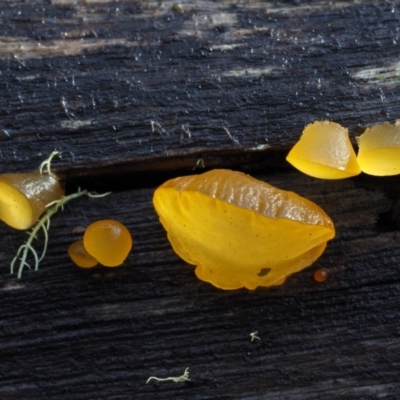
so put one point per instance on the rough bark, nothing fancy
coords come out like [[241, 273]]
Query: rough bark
[[132, 93]]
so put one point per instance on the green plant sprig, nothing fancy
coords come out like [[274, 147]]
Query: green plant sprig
[[177, 379], [47, 163], [44, 224]]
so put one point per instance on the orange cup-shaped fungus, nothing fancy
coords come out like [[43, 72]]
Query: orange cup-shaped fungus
[[80, 256], [379, 150], [239, 231], [24, 197], [108, 241], [325, 151]]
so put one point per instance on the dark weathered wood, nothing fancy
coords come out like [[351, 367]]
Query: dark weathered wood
[[117, 87], [68, 333], [130, 82]]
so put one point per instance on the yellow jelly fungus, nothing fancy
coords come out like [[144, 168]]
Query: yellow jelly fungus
[[379, 150], [239, 231], [325, 151], [80, 256], [108, 241], [24, 197]]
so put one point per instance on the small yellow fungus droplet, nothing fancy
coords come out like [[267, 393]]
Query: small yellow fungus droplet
[[24, 197], [325, 151], [379, 150], [320, 275], [239, 231], [108, 241], [80, 256]]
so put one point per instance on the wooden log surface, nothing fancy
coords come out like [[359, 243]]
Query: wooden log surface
[[132, 93]]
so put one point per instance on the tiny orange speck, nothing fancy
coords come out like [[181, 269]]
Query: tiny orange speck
[[320, 275]]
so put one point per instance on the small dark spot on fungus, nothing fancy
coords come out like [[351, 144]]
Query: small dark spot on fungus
[[264, 271]]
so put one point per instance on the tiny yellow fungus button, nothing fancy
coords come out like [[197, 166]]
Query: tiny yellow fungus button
[[379, 150], [80, 256], [24, 197], [239, 231], [108, 241], [325, 151]]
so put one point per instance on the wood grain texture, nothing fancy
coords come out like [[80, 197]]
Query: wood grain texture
[[68, 333], [132, 93], [135, 83]]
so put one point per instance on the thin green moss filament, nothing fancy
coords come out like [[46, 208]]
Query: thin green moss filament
[[47, 163], [44, 224], [177, 379]]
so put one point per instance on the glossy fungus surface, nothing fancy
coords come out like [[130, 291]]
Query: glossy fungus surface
[[379, 150], [325, 151], [108, 241], [80, 256], [239, 231], [320, 275], [24, 197]]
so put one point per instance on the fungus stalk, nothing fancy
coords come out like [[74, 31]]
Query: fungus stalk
[[44, 224], [183, 378]]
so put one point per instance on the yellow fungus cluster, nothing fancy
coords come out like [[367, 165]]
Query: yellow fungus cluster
[[107, 242], [30, 200], [239, 231], [325, 151]]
